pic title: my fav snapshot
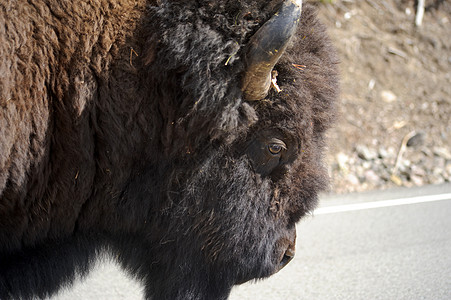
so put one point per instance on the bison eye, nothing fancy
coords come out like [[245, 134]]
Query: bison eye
[[268, 153], [276, 147]]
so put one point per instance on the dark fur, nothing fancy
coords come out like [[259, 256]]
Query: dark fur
[[123, 131]]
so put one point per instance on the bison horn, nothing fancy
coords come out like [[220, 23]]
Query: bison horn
[[266, 47]]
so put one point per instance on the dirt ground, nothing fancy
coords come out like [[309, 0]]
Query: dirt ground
[[396, 90]]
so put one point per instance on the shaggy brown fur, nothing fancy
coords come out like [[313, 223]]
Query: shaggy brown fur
[[123, 131]]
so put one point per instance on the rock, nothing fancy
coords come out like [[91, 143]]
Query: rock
[[342, 160], [388, 96], [352, 179], [436, 179], [371, 84], [416, 157], [448, 172], [438, 171], [359, 171], [366, 165], [387, 164], [372, 177], [438, 163], [417, 180], [384, 174], [426, 151], [406, 163], [416, 140], [442, 152], [404, 167], [365, 153], [417, 171], [383, 153]]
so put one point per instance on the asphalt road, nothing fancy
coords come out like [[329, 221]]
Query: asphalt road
[[390, 245]]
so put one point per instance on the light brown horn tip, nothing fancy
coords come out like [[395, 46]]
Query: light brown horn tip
[[266, 47]]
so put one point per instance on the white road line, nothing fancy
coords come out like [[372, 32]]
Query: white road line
[[378, 204]]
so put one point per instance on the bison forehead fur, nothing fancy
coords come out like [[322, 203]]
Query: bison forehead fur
[[124, 132]]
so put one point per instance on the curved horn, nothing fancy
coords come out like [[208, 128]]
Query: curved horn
[[266, 47]]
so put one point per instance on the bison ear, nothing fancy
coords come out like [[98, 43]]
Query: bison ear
[[266, 47]]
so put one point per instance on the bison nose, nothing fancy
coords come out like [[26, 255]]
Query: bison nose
[[287, 256], [287, 248]]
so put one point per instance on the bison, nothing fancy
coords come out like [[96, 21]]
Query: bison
[[182, 138]]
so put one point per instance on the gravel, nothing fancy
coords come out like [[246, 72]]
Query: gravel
[[367, 168], [394, 127]]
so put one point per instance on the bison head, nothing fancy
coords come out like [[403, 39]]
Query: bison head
[[245, 104]]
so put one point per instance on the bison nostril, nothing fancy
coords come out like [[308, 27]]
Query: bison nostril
[[285, 260], [287, 245], [287, 257]]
